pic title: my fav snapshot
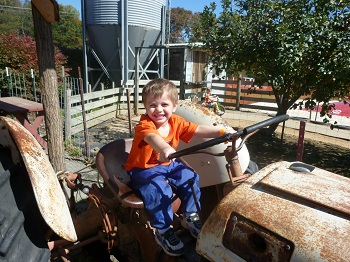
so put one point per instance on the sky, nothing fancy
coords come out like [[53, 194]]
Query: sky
[[192, 5]]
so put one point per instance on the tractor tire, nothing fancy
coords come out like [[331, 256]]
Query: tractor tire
[[22, 228]]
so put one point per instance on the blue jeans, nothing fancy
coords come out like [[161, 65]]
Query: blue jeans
[[157, 193]]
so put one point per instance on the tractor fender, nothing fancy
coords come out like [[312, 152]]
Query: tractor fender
[[211, 169], [47, 191]]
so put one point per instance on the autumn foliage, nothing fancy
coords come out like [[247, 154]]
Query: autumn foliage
[[18, 52]]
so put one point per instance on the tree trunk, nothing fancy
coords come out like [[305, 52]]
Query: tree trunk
[[48, 79]]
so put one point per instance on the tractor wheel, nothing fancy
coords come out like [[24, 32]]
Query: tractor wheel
[[22, 227]]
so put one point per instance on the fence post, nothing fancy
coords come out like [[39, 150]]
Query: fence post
[[33, 82], [25, 87], [137, 80], [67, 115], [9, 84], [300, 148], [129, 111], [239, 86]]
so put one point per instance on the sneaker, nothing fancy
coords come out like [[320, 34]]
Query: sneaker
[[170, 243], [220, 113], [193, 224]]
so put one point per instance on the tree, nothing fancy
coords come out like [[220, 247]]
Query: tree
[[27, 27], [9, 20], [194, 25], [18, 52], [48, 79], [299, 48], [181, 23], [67, 33]]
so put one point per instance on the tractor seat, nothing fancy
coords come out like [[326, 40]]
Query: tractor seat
[[109, 161]]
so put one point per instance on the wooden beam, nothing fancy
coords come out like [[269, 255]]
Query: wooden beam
[[48, 9]]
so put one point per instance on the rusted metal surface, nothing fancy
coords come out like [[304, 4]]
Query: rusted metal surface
[[212, 169], [47, 191], [255, 243], [284, 210]]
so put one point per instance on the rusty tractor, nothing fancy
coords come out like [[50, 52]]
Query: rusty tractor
[[287, 211]]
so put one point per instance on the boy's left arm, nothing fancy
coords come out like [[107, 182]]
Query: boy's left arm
[[210, 131]]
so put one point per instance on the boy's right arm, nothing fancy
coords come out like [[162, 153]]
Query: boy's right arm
[[159, 145]]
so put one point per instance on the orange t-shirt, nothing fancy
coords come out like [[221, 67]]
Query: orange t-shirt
[[142, 154], [207, 98]]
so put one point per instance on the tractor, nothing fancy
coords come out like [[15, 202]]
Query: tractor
[[286, 211]]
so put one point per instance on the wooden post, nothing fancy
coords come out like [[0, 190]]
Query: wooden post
[[300, 148], [183, 76], [239, 87], [129, 111]]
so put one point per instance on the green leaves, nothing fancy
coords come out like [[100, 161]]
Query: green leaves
[[297, 47], [67, 32]]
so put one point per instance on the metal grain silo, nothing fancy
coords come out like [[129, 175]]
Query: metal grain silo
[[115, 27]]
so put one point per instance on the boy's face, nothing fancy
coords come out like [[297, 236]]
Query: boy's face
[[159, 109]]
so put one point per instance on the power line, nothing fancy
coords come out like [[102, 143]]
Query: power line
[[16, 8]]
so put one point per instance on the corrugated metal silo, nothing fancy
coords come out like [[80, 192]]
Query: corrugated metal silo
[[105, 27]]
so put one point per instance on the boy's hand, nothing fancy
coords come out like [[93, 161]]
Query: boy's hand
[[164, 154], [159, 145]]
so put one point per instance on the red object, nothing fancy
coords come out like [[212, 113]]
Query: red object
[[340, 109]]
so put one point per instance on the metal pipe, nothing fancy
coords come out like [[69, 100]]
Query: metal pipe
[[86, 137], [85, 82], [199, 212], [162, 42]]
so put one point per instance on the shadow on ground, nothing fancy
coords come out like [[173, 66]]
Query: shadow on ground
[[266, 150]]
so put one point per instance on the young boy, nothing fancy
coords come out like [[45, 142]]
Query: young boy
[[157, 136], [210, 101]]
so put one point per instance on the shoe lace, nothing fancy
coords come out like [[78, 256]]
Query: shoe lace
[[172, 238]]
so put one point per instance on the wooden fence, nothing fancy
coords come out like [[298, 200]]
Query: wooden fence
[[102, 105], [237, 94]]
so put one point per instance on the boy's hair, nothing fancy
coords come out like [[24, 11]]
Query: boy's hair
[[157, 87]]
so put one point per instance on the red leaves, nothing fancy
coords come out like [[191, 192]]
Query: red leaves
[[19, 52]]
